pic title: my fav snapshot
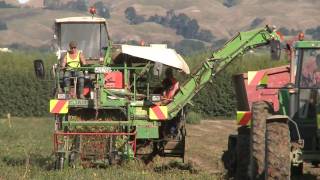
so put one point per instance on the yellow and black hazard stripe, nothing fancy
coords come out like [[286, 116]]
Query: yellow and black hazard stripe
[[59, 106], [158, 113], [243, 118], [256, 78]]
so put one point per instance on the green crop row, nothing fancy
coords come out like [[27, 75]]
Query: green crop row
[[21, 94]]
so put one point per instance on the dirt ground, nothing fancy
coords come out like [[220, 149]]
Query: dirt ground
[[207, 141]]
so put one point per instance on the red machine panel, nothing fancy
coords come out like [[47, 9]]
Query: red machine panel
[[113, 80], [247, 92]]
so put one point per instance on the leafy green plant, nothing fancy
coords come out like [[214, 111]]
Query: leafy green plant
[[21, 93], [193, 117]]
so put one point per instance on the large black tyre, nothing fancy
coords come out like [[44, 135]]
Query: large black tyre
[[229, 157], [277, 151], [261, 110], [242, 153]]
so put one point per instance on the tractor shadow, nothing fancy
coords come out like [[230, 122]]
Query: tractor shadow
[[35, 160], [228, 160]]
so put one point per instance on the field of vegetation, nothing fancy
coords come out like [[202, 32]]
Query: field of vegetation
[[26, 153], [24, 96]]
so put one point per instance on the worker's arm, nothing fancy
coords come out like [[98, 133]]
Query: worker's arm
[[64, 62]]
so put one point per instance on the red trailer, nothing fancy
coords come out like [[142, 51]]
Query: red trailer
[[254, 86], [248, 91]]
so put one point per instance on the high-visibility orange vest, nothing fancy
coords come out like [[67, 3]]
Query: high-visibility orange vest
[[169, 93]]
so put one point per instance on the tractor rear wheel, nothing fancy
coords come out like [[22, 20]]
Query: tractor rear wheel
[[242, 153], [278, 162], [261, 110]]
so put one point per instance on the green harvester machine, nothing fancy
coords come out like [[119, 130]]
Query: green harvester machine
[[124, 109]]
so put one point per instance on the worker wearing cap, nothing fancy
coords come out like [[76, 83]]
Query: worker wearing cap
[[72, 60]]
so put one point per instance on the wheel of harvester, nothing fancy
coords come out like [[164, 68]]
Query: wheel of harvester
[[261, 110], [59, 162], [242, 153], [174, 137], [277, 151]]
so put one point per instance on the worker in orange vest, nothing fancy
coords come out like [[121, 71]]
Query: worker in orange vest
[[170, 86]]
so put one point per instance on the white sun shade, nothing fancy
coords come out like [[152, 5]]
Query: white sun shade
[[158, 54]]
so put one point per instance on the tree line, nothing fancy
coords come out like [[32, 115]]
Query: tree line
[[314, 32], [183, 24]]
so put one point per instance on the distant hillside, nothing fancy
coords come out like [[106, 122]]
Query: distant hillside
[[31, 24]]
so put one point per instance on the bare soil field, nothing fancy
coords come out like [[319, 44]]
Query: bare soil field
[[207, 141]]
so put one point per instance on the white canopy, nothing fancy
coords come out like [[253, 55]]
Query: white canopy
[[158, 54], [86, 19]]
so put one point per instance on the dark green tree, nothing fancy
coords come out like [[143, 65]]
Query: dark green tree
[[230, 3], [256, 22], [284, 31], [205, 35], [3, 4], [186, 47], [102, 10], [130, 13], [191, 30]]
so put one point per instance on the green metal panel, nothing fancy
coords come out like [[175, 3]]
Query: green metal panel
[[105, 101], [83, 103], [147, 132], [284, 97], [318, 122], [95, 123], [307, 44], [146, 129]]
